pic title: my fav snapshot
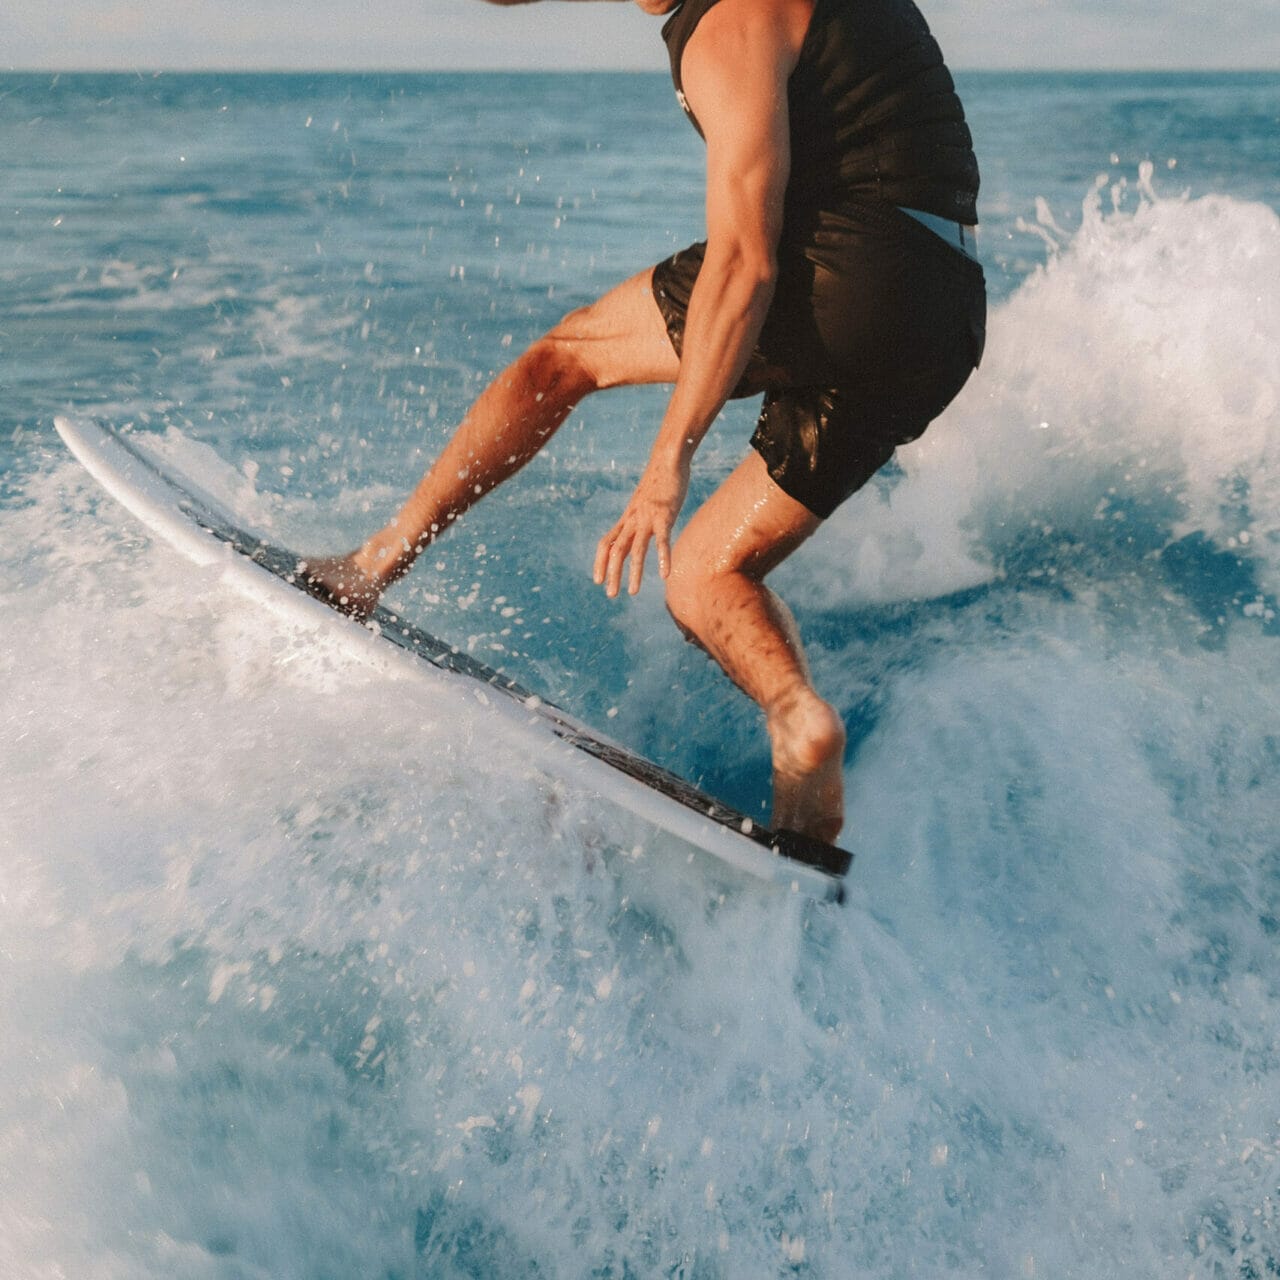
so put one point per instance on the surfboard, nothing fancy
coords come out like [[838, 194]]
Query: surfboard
[[556, 742]]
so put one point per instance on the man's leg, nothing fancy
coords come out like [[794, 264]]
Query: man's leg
[[716, 594], [619, 340]]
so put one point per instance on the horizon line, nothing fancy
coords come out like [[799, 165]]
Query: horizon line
[[494, 69]]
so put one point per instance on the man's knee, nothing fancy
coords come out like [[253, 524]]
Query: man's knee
[[608, 345], [554, 366]]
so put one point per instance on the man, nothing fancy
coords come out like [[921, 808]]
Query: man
[[837, 277]]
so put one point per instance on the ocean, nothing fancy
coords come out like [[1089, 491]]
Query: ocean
[[301, 979]]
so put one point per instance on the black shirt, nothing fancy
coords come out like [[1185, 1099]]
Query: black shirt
[[873, 111]]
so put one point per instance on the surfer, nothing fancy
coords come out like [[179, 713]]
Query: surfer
[[837, 278]]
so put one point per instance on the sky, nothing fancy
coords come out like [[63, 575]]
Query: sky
[[466, 34]]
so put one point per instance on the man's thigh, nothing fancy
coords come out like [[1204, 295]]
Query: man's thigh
[[620, 338]]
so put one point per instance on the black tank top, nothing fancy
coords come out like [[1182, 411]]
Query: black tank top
[[873, 109]]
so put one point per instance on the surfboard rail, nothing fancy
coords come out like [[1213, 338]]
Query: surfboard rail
[[197, 526]]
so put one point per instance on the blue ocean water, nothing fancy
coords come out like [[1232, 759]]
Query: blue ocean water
[[298, 979]]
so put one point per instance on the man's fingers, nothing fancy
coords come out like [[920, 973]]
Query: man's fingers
[[629, 539], [639, 549], [664, 555], [603, 548], [607, 570], [617, 558]]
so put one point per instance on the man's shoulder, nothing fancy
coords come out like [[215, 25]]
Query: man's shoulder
[[784, 22]]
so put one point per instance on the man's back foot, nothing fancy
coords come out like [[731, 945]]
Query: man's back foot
[[808, 767]]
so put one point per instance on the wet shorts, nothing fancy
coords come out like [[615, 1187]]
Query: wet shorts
[[875, 325]]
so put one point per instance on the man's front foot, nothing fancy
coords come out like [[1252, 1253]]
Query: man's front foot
[[808, 767], [341, 584]]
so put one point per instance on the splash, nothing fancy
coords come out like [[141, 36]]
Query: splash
[[303, 978], [1135, 377]]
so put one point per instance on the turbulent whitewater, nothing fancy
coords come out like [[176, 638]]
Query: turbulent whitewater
[[301, 978]]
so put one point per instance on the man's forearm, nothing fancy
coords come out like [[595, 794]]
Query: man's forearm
[[726, 313]]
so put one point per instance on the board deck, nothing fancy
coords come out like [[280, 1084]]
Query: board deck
[[559, 744]]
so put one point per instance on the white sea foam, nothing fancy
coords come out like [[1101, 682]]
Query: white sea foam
[[1141, 362], [302, 978]]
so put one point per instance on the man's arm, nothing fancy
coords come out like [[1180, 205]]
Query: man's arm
[[735, 71]]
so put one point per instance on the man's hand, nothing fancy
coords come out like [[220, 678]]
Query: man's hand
[[650, 516]]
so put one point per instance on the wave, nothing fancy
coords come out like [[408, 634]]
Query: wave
[[304, 981]]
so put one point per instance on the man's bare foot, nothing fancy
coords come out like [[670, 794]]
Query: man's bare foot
[[808, 767], [341, 584]]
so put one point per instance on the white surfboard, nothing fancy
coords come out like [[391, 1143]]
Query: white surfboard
[[557, 743]]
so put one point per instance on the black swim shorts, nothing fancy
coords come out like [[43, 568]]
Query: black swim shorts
[[875, 325]]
